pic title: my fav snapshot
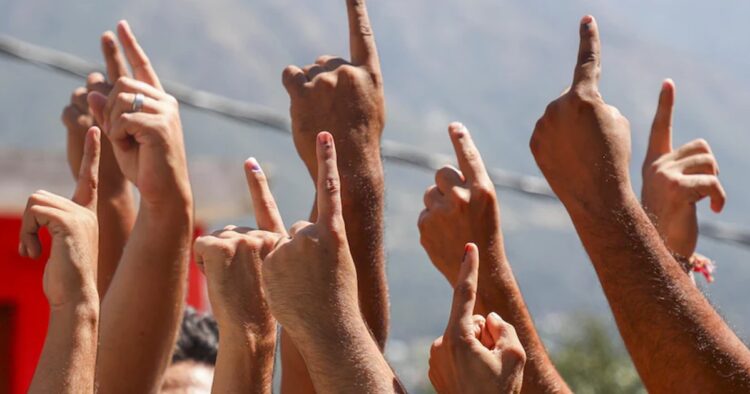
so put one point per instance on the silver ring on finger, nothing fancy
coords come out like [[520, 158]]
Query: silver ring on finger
[[137, 103]]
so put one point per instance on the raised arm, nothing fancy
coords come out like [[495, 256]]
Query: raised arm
[[68, 359], [311, 286], [116, 207], [477, 353], [232, 261], [143, 308], [676, 339], [673, 183], [462, 207], [346, 97]]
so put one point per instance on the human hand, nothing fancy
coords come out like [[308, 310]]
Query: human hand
[[232, 261], [476, 354], [461, 207], [345, 97], [78, 118], [70, 273], [148, 142], [675, 180], [581, 144], [310, 279]]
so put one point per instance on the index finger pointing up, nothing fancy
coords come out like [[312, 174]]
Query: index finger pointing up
[[329, 184], [267, 213], [361, 38], [465, 292], [469, 161], [88, 177], [588, 67], [137, 58]]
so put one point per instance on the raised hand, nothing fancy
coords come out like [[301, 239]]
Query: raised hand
[[582, 147], [70, 273], [67, 363], [116, 210], [143, 124], [78, 118], [675, 180], [461, 207], [345, 97], [232, 261], [581, 144], [476, 354], [311, 285]]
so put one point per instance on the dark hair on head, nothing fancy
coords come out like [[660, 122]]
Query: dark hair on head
[[198, 339]]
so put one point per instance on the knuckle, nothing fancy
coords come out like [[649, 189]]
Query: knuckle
[[332, 185], [702, 145], [465, 290], [326, 81]]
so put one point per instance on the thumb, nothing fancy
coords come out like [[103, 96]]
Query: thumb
[[97, 101], [329, 184], [88, 177], [660, 141], [465, 291]]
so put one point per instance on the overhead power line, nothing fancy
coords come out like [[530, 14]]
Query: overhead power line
[[247, 113]]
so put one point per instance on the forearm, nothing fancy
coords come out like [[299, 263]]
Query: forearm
[[363, 205], [142, 312], [346, 359], [676, 339], [117, 214], [244, 363], [68, 360], [499, 292]]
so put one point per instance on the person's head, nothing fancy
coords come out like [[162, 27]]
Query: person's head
[[194, 357]]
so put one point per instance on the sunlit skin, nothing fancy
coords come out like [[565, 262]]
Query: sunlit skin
[[675, 180], [677, 341], [68, 359], [346, 98], [149, 149]]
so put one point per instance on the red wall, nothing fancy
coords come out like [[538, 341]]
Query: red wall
[[21, 289]]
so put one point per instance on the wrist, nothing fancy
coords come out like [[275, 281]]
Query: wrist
[[246, 339], [176, 210], [84, 309]]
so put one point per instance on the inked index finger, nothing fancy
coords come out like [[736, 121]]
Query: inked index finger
[[116, 66], [267, 213], [361, 37], [329, 184], [588, 67], [469, 160], [137, 58]]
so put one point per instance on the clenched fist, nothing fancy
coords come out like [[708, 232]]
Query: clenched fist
[[477, 354], [675, 180], [581, 144], [70, 273], [344, 97]]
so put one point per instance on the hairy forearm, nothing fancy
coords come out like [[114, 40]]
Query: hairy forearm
[[117, 214], [346, 359], [68, 360], [676, 339], [142, 311], [499, 292], [244, 363], [363, 205]]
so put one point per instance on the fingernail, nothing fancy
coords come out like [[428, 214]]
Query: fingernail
[[466, 251], [494, 316], [586, 22], [254, 166], [325, 139]]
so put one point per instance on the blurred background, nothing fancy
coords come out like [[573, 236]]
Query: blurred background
[[492, 64]]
